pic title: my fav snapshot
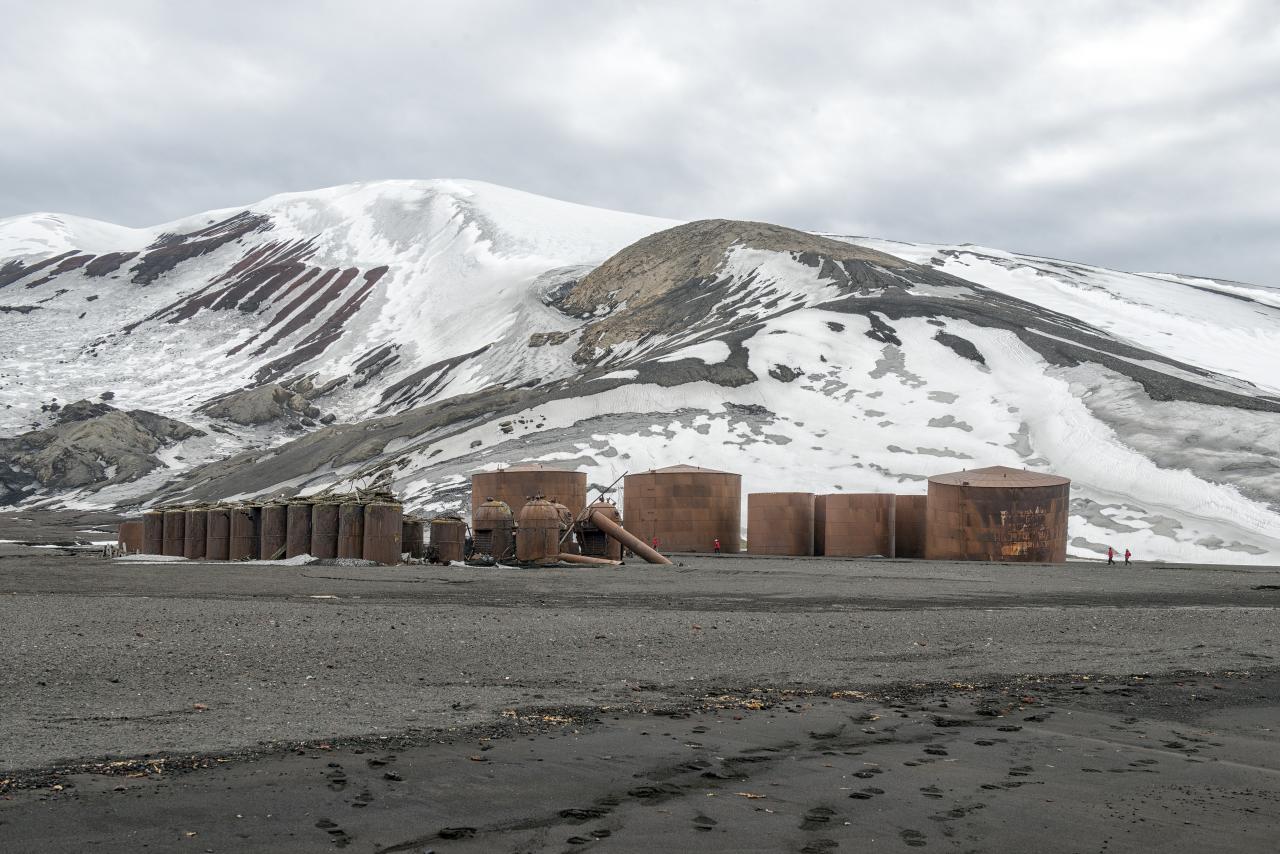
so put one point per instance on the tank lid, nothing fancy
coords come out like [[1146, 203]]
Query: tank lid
[[999, 476], [532, 467], [684, 469]]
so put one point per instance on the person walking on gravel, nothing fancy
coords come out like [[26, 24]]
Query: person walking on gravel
[[1127, 555], [716, 543], [1111, 556]]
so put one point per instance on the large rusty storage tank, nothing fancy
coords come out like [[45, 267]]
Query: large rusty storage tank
[[153, 532], [595, 542], [685, 508], [351, 529], [411, 530], [909, 525], [218, 537], [997, 513], [493, 530], [517, 483], [538, 534], [779, 523], [383, 524], [855, 524], [324, 530], [448, 538], [130, 536], [175, 531], [197, 532], [273, 533], [298, 529], [245, 532]]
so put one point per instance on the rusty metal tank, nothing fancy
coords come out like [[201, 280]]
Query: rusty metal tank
[[538, 533], [130, 536], [448, 539], [297, 529], [593, 541], [273, 527], [779, 523], [568, 545], [175, 530], [909, 525], [685, 508], [383, 523], [324, 530], [218, 536], [493, 529], [515, 484], [153, 532], [351, 529], [856, 524], [411, 530], [196, 535], [998, 514], [245, 532]]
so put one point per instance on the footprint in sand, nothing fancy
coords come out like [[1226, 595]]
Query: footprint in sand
[[913, 838]]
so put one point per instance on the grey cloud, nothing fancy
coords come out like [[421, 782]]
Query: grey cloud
[[1134, 135]]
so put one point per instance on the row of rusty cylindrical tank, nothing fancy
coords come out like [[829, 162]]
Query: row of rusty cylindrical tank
[[371, 530], [836, 524]]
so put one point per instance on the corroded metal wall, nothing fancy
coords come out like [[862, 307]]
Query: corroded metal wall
[[493, 530], [298, 529], [130, 536], [997, 514], [218, 539], [324, 530], [175, 529], [858, 524], [909, 525], [382, 529], [593, 541], [273, 524], [685, 508], [780, 523], [153, 532], [517, 483], [351, 530], [448, 538], [243, 544], [196, 534], [538, 534], [411, 537]]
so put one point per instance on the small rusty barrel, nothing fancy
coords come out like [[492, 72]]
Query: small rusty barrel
[[175, 530], [411, 531], [595, 542], [245, 519], [218, 539], [130, 536], [493, 530], [382, 522], [351, 529], [538, 536], [324, 531], [195, 540], [298, 529], [448, 539], [153, 532], [274, 527]]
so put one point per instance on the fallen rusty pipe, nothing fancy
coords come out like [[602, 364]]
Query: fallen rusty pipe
[[627, 538], [587, 560]]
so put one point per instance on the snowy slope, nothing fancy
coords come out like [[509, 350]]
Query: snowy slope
[[447, 326]]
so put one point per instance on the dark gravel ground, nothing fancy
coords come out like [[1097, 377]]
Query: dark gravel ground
[[260, 677]]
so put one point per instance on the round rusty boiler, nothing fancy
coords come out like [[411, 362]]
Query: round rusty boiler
[[516, 484], [382, 530], [297, 529], [538, 533], [195, 539], [997, 514], [153, 532], [909, 525], [448, 539], [685, 508], [245, 532], [351, 529], [493, 530], [593, 541], [175, 532], [324, 530], [411, 531], [854, 524], [218, 537], [129, 537], [568, 545], [273, 525], [780, 523]]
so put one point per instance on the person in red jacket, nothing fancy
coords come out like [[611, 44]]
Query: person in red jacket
[[717, 545], [1111, 556], [1127, 555]]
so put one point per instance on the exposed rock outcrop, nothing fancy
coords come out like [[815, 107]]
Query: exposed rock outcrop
[[261, 405]]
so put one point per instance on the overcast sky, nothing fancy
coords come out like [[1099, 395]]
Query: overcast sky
[[1144, 136]]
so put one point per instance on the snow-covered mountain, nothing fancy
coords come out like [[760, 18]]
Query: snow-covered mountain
[[415, 331]]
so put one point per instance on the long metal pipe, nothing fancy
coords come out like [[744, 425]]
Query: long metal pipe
[[628, 539], [587, 560]]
